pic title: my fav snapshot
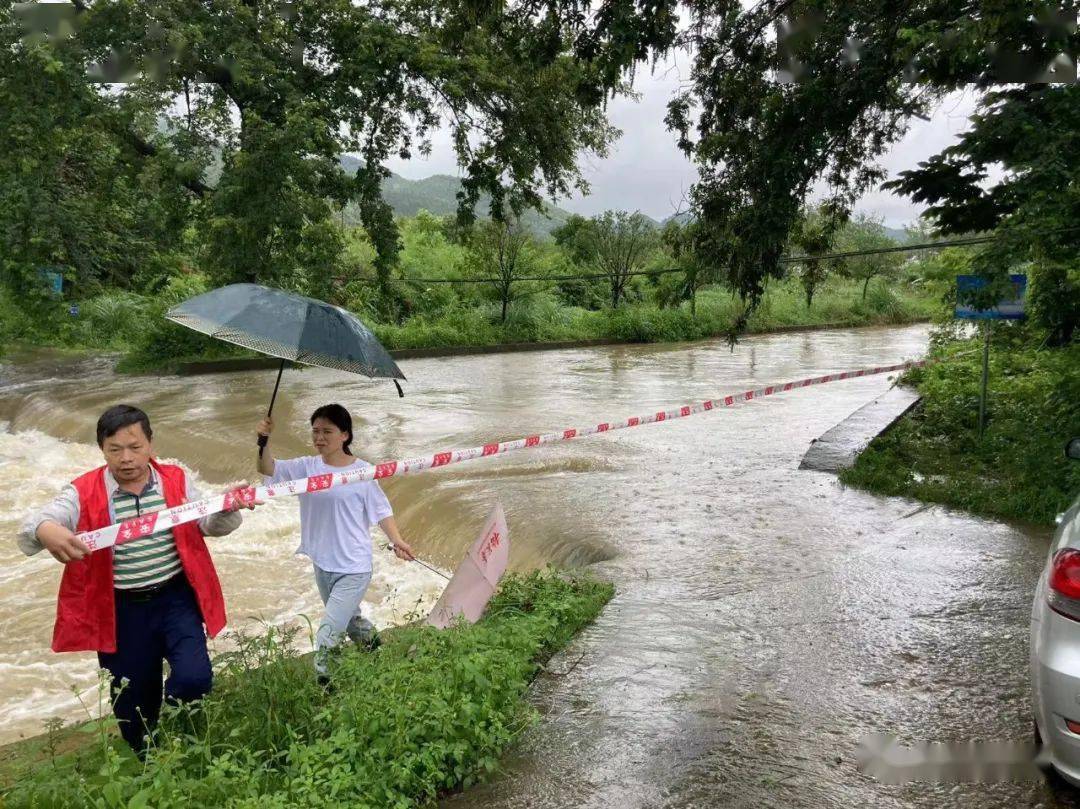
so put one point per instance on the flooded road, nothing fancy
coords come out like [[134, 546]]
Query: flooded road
[[766, 619]]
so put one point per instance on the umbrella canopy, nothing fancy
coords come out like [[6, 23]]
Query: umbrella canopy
[[287, 326]]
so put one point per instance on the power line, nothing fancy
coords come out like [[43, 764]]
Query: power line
[[593, 277], [903, 248]]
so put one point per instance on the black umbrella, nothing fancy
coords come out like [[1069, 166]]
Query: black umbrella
[[288, 326]]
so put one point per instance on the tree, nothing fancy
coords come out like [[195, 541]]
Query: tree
[[275, 93], [767, 117], [615, 244], [574, 239], [942, 266], [577, 239], [679, 241], [815, 234], [500, 251], [73, 195], [1033, 134], [866, 233]]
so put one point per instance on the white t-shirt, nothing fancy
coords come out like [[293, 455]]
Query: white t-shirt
[[335, 524]]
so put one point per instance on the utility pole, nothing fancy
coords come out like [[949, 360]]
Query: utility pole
[[985, 377]]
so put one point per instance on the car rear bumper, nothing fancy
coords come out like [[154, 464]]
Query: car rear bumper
[[1056, 690]]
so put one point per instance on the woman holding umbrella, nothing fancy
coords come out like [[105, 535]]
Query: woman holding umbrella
[[335, 526]]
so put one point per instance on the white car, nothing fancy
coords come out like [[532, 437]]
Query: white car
[[1055, 646]]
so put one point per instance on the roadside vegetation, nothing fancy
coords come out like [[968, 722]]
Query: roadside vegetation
[[427, 713], [1017, 469], [676, 303]]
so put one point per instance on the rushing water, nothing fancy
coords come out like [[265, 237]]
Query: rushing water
[[765, 618]]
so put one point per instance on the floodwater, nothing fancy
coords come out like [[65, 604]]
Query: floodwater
[[766, 619]]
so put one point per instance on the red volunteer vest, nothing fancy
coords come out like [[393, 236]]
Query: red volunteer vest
[[85, 605]]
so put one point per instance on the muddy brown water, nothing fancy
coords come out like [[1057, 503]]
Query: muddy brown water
[[766, 618]]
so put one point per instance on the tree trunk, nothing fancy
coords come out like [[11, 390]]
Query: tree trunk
[[505, 301], [865, 285], [187, 100]]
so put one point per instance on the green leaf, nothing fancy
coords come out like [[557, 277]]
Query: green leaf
[[140, 800]]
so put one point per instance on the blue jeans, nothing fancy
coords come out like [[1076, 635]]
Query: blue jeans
[[342, 594], [166, 625]]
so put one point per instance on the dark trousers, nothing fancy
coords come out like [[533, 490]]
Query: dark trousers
[[151, 628]]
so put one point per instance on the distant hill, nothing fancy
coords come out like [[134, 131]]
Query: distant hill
[[898, 235], [684, 218], [438, 195]]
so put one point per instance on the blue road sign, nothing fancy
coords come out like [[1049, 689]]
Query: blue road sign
[[1010, 308], [54, 281]]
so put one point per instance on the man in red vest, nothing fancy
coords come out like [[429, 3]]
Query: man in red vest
[[142, 602]]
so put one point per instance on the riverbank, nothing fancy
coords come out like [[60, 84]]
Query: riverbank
[[134, 327], [1017, 470], [428, 713], [260, 362]]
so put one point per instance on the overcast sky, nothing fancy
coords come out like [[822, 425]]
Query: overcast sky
[[645, 171]]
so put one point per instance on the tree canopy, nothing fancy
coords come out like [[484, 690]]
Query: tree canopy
[[1028, 140], [789, 95], [271, 95], [220, 126]]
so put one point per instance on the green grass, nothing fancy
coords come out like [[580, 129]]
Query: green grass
[[134, 325], [1017, 470], [116, 321], [427, 713], [539, 318]]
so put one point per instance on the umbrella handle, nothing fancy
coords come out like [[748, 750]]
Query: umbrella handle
[[265, 439], [277, 384]]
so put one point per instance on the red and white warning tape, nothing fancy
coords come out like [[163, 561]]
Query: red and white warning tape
[[169, 518]]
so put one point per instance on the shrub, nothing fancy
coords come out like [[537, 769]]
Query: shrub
[[647, 324], [160, 342], [443, 316], [428, 712], [537, 318], [882, 301], [117, 319], [1017, 469]]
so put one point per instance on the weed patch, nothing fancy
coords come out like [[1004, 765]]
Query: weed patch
[[429, 712]]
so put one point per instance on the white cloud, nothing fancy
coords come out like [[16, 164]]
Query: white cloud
[[645, 170]]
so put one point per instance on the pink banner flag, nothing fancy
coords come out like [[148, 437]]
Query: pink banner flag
[[477, 576]]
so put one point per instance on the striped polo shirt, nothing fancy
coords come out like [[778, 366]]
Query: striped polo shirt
[[148, 560]]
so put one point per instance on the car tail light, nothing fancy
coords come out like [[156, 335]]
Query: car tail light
[[1064, 593], [1074, 727]]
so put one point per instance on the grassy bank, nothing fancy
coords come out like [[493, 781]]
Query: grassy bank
[[134, 325], [542, 319], [1017, 470], [427, 713]]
